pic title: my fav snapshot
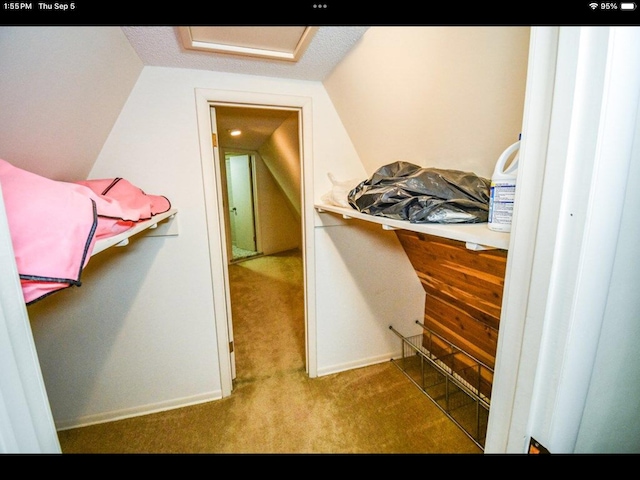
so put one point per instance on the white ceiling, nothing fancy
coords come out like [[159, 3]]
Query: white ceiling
[[164, 47], [257, 125]]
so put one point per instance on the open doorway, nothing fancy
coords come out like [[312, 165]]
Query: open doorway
[[207, 102], [259, 177], [241, 185]]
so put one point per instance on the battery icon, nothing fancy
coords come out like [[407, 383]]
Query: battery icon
[[627, 6]]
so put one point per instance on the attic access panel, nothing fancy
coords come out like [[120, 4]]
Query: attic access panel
[[275, 43]]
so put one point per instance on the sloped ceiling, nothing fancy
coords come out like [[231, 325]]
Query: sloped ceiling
[[256, 125], [163, 47]]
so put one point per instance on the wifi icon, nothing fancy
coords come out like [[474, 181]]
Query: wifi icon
[[593, 5]]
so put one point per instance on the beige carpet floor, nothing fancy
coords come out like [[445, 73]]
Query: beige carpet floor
[[275, 407]]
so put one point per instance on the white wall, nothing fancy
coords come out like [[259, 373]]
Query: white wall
[[365, 284], [281, 153], [140, 334], [447, 97], [61, 90], [280, 187], [279, 224]]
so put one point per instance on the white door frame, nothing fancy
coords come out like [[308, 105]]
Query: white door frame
[[26, 421], [205, 98], [564, 237]]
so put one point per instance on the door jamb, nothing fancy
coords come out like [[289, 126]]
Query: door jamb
[[216, 228]]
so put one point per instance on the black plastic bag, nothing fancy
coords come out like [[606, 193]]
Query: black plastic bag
[[404, 191]]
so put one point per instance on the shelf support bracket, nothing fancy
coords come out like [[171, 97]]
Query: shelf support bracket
[[478, 247], [123, 243]]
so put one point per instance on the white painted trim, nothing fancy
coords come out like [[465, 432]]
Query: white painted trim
[[217, 255], [510, 379], [580, 111], [305, 134], [363, 362], [225, 247], [617, 97], [210, 97], [26, 422], [148, 409]]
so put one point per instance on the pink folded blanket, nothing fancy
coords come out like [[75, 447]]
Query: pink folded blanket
[[54, 225]]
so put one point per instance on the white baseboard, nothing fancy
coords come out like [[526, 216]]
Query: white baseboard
[[358, 364], [85, 421], [88, 420]]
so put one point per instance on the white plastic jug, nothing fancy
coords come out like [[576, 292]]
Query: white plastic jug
[[503, 190]]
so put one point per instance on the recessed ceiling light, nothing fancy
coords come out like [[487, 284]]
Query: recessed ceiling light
[[235, 132]]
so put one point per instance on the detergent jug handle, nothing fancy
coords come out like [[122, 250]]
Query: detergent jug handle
[[513, 168], [505, 156]]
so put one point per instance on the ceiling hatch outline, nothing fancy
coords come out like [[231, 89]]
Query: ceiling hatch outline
[[274, 43]]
